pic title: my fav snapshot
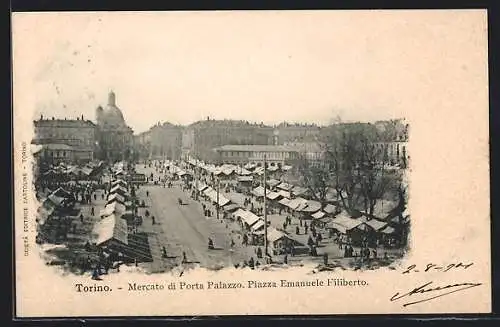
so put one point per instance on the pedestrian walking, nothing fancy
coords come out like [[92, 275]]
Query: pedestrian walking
[[153, 219], [92, 211], [95, 274], [184, 259], [285, 259], [297, 231]]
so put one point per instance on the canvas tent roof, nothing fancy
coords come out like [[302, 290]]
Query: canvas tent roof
[[243, 172], [329, 208], [387, 230], [298, 190], [86, 170], [311, 206], [231, 207], [248, 217], [284, 201], [273, 182], [119, 181], [258, 225], [259, 170], [57, 200], [258, 191], [212, 194], [111, 228], [60, 192], [272, 168], [239, 213], [272, 195], [273, 234], [317, 215], [295, 203], [117, 197], [284, 194], [375, 224], [117, 207], [227, 171], [245, 178], [344, 223], [285, 186]]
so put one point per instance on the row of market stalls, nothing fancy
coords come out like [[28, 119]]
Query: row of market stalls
[[115, 231], [249, 221], [55, 203], [53, 215], [64, 171], [292, 199], [244, 172]]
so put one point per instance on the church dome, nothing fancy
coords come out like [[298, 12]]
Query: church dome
[[111, 115]]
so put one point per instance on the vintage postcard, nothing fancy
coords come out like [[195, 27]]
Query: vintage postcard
[[251, 162]]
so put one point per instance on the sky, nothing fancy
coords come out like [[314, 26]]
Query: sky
[[258, 66]]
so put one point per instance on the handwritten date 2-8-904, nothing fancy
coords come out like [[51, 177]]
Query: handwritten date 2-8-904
[[434, 267]]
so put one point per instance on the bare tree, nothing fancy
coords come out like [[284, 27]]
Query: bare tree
[[316, 178], [353, 166]]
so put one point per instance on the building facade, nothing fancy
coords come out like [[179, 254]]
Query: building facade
[[162, 141], [312, 152], [392, 141], [287, 132], [203, 137], [241, 154], [68, 140], [115, 138]]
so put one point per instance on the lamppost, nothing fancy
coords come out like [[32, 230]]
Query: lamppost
[[265, 211], [218, 190]]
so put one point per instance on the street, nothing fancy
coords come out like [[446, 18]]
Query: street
[[183, 228]]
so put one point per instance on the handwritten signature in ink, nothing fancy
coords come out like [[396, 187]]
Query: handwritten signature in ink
[[434, 292]]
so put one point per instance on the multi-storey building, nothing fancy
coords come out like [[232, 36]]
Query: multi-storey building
[[162, 141], [203, 136], [115, 137], [287, 132], [241, 154], [65, 139], [312, 152], [392, 141]]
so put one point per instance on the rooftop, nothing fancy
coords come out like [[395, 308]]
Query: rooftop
[[258, 148], [57, 146], [63, 123]]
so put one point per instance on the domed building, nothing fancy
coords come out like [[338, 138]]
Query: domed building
[[115, 137]]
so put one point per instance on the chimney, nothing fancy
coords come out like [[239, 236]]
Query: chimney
[[52, 118], [82, 116], [41, 117]]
